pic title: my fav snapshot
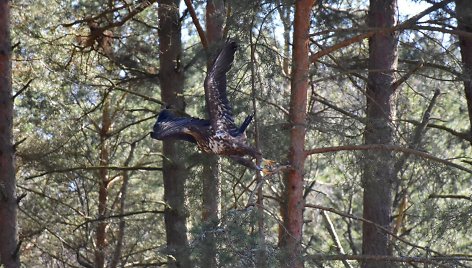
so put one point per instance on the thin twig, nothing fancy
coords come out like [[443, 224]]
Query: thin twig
[[334, 236], [25, 87]]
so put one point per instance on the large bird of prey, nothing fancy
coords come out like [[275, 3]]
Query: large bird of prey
[[219, 134]]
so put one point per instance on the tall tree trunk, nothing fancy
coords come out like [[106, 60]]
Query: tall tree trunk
[[378, 167], [101, 231], [215, 18], [261, 253], [211, 194], [171, 80], [292, 210], [9, 255], [464, 23]]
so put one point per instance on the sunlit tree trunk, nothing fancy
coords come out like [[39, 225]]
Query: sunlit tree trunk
[[9, 257], [464, 23], [174, 171], [378, 166], [292, 211]]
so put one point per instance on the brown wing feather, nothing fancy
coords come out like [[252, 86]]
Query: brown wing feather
[[218, 107], [169, 126]]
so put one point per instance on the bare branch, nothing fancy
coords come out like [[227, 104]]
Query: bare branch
[[85, 168], [405, 77], [386, 147], [25, 87], [461, 135], [418, 133], [358, 38], [452, 196], [196, 22], [120, 216]]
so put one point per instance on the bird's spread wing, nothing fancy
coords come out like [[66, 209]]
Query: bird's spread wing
[[221, 117], [169, 126]]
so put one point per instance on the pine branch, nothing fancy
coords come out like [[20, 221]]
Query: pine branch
[[141, 6], [382, 228], [358, 38], [386, 147], [406, 259]]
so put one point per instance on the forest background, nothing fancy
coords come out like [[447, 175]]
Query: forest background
[[369, 103]]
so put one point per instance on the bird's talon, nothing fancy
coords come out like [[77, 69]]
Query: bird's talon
[[268, 167]]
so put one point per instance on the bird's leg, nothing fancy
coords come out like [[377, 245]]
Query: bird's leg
[[266, 166], [245, 162]]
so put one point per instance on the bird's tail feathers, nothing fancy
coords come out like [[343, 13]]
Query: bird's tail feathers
[[246, 123]]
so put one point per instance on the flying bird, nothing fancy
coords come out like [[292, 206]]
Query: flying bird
[[218, 134]]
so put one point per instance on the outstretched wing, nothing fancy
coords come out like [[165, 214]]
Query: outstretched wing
[[169, 126], [219, 110]]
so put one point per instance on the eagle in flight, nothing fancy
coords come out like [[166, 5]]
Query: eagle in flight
[[218, 134]]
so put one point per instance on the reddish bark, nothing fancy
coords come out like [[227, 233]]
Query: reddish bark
[[464, 23], [174, 172], [378, 173], [8, 208], [293, 208]]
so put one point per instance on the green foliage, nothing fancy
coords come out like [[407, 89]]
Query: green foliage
[[65, 90]]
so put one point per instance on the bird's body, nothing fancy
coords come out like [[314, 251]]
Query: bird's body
[[219, 134]]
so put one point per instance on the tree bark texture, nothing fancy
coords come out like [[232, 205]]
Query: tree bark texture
[[9, 254], [464, 23], [378, 166], [292, 210], [215, 19], [174, 172], [211, 187]]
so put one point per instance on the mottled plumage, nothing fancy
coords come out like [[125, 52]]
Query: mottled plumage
[[219, 134]]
